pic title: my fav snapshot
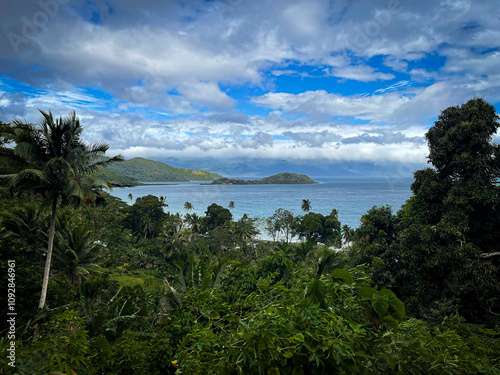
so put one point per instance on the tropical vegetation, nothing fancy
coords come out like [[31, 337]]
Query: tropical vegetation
[[135, 289]]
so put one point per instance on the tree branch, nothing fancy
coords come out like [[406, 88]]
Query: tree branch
[[489, 255]]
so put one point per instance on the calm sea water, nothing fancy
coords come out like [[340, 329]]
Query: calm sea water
[[352, 197]]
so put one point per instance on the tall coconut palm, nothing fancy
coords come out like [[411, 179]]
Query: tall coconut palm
[[231, 206], [131, 197], [147, 225], [348, 235], [56, 164], [306, 205]]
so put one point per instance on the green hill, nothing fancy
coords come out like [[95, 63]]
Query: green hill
[[277, 179], [115, 179], [146, 170]]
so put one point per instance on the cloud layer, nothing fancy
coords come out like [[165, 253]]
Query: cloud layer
[[314, 80]]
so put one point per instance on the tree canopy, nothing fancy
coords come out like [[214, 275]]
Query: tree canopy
[[319, 228], [452, 221]]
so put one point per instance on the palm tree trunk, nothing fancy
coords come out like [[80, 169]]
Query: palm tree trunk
[[46, 272]]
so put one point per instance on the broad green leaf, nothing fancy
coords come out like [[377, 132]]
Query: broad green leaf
[[398, 308], [387, 292], [380, 304], [366, 292], [299, 337], [214, 315], [343, 275], [391, 322], [389, 359]]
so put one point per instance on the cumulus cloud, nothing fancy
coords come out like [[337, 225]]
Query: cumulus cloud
[[361, 73], [313, 139], [383, 139], [320, 103], [303, 80]]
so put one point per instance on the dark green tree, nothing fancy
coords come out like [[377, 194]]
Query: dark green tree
[[146, 216], [216, 216], [377, 232], [319, 228], [448, 249]]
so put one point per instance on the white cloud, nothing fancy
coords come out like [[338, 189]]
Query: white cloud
[[320, 103], [361, 73], [207, 60], [366, 152]]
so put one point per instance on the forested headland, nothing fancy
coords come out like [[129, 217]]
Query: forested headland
[[103, 287], [280, 178]]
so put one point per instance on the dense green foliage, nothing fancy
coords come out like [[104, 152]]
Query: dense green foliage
[[137, 290], [146, 170], [280, 178], [318, 228], [52, 161], [441, 253]]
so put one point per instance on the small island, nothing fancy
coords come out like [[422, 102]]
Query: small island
[[277, 179]]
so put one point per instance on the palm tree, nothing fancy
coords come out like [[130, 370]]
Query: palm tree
[[173, 242], [131, 197], [188, 206], [147, 225], [327, 260], [231, 206], [245, 229], [195, 223], [56, 164], [302, 251], [176, 221], [348, 234], [27, 227], [76, 253], [306, 205]]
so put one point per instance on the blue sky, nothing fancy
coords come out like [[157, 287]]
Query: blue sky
[[337, 84]]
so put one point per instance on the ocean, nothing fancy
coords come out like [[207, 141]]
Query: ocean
[[351, 196]]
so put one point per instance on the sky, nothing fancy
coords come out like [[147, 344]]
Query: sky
[[246, 87]]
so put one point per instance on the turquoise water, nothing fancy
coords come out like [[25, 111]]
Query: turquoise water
[[352, 197]]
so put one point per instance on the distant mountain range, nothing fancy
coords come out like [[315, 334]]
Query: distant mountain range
[[136, 170], [133, 171], [260, 167], [277, 179]]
